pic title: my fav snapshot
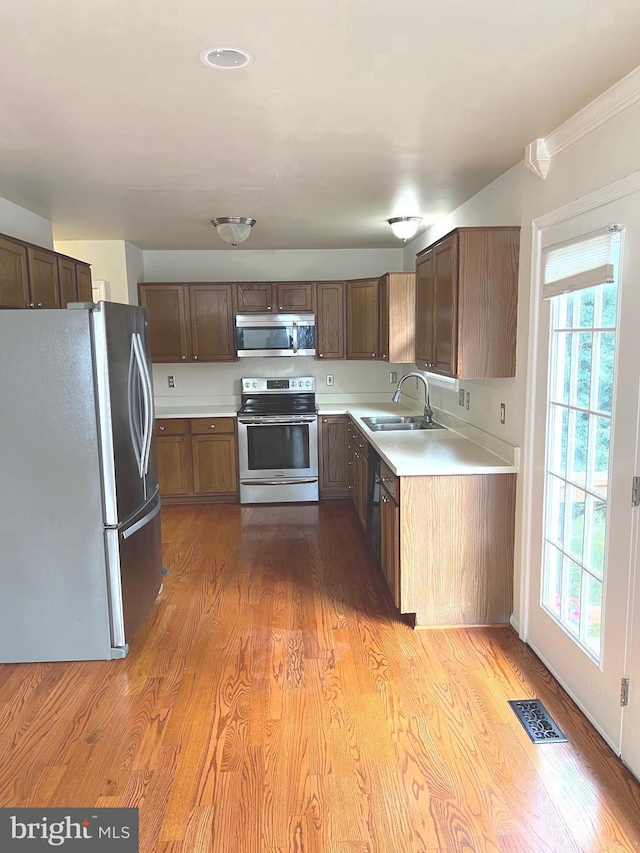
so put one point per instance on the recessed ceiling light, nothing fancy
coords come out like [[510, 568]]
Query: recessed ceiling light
[[225, 58]]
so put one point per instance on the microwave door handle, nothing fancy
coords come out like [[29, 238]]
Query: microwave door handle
[[295, 337]]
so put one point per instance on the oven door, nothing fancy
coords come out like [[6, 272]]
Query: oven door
[[278, 447]]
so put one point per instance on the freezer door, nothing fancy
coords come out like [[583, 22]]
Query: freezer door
[[125, 405], [134, 571]]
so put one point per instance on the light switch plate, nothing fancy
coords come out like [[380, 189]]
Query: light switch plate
[[329, 379]]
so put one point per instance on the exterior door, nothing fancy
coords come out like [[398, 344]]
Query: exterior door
[[584, 435]]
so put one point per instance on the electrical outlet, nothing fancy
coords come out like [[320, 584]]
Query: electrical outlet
[[461, 397], [393, 377], [467, 400], [329, 379], [503, 413], [171, 381]]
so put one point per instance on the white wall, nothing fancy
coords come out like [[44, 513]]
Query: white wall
[[278, 265], [24, 225], [134, 262]]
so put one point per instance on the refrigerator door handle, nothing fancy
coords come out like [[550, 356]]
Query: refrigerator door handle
[[134, 423], [145, 446], [142, 522], [148, 387]]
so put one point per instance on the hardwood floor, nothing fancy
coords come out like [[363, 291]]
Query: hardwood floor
[[273, 702]]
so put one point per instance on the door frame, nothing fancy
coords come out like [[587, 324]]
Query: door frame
[[536, 389]]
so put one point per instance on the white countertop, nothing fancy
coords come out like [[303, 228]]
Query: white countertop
[[408, 453]]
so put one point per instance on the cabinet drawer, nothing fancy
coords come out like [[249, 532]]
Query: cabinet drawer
[[207, 426], [390, 481], [171, 426]]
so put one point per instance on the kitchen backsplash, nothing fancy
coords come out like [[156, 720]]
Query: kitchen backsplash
[[219, 384]]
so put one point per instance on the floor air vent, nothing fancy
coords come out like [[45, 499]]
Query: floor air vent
[[537, 722]]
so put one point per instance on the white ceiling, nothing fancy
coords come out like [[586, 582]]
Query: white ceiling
[[352, 112]]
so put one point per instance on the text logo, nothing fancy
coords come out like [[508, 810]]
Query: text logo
[[35, 830]]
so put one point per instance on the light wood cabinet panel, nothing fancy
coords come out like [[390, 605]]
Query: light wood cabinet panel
[[167, 305], [466, 303], [295, 297], [14, 280], [390, 543], [173, 455], [67, 281], [171, 426], [397, 298], [85, 289], [211, 322], [211, 426], [214, 464], [330, 320], [333, 438], [43, 278], [362, 319], [456, 548], [254, 296]]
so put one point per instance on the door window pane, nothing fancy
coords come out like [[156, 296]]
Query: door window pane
[[582, 345]]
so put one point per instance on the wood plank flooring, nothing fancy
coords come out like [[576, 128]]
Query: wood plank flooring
[[272, 702]]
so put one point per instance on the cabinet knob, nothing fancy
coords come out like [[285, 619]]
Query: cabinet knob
[[39, 305], [279, 307], [384, 356], [30, 305], [195, 358], [184, 357], [373, 354], [162, 429], [212, 426], [269, 308], [324, 420], [321, 355]]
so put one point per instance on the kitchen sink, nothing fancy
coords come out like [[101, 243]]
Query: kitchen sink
[[396, 422]]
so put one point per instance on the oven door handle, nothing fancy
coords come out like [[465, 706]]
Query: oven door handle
[[289, 482], [295, 337], [276, 421]]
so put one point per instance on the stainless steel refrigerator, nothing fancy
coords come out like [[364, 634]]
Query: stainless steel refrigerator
[[80, 543]]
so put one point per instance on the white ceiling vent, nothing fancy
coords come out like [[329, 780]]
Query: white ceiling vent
[[225, 58]]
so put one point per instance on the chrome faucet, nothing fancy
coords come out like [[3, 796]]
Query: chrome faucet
[[427, 420]]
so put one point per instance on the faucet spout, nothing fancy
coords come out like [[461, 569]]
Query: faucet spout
[[427, 419]]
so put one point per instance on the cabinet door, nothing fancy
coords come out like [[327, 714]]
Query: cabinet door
[[173, 455], [425, 301], [167, 305], [67, 280], [383, 333], [362, 319], [83, 276], [254, 297], [390, 543], [43, 278], [333, 456], [361, 479], [330, 319], [14, 282], [212, 322], [294, 297], [445, 274], [215, 466]]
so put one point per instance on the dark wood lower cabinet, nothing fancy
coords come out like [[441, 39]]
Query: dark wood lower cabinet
[[390, 543], [333, 439], [197, 459]]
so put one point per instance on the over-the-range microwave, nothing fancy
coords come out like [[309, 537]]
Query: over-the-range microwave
[[275, 334]]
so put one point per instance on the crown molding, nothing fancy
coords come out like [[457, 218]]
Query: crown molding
[[622, 95]]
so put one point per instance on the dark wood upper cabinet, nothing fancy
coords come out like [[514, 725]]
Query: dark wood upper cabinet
[[43, 278], [83, 277], [362, 319], [397, 300], [67, 280], [330, 319], [254, 296], [14, 280], [168, 309], [212, 322], [466, 303], [294, 297]]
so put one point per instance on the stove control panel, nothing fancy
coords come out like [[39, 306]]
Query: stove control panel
[[279, 386]]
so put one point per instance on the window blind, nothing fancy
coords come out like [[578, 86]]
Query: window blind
[[579, 263]]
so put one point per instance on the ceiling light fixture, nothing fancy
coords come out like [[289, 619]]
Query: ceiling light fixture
[[233, 229], [226, 58], [404, 227]]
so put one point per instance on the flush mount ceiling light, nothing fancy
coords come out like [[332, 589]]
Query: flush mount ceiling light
[[225, 58], [233, 229], [404, 227]]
